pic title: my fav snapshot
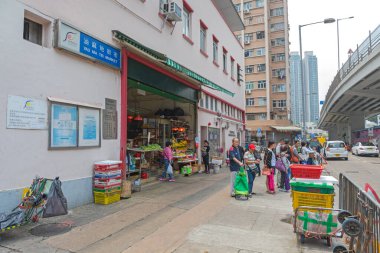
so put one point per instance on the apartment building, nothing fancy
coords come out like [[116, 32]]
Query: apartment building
[[266, 44]]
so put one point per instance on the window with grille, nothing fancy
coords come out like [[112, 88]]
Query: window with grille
[[261, 68], [249, 101], [277, 27], [260, 35], [248, 53], [249, 69]]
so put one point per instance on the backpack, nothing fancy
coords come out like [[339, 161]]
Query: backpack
[[293, 157]]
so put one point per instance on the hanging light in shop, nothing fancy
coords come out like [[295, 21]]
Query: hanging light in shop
[[138, 117], [130, 117]]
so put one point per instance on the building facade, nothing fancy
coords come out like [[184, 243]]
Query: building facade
[[310, 64], [83, 86], [296, 88], [266, 44]]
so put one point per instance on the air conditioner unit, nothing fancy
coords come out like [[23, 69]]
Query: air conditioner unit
[[247, 42], [246, 11], [248, 91], [172, 12]]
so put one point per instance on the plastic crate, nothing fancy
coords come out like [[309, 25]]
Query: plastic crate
[[312, 199], [108, 190], [109, 173], [323, 188], [107, 165], [106, 198], [306, 171]]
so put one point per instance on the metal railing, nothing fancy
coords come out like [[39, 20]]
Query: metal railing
[[353, 199], [365, 48]]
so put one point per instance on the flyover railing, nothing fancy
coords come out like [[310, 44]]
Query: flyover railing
[[367, 210], [365, 48]]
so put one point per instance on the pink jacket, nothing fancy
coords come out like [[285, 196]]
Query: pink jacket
[[168, 153]]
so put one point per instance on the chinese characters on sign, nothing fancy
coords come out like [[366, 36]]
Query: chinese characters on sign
[[26, 113], [85, 45]]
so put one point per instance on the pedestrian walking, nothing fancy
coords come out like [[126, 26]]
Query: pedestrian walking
[[251, 163], [269, 165], [168, 162], [206, 156], [284, 174], [236, 161], [295, 156]]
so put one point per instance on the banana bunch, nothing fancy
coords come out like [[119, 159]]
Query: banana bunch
[[180, 144]]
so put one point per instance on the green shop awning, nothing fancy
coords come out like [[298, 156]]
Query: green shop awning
[[169, 62]]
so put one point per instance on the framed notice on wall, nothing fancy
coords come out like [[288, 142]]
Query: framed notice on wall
[[64, 125], [74, 126], [89, 127]]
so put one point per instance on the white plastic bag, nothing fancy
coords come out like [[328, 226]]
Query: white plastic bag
[[169, 169]]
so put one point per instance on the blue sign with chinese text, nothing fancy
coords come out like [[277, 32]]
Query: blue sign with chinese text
[[99, 50]]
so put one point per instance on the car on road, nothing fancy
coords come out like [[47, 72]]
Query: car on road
[[365, 148], [335, 149]]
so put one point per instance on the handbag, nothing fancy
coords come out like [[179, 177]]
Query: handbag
[[280, 165], [266, 171], [169, 170]]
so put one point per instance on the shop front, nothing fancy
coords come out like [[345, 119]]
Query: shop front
[[160, 108]]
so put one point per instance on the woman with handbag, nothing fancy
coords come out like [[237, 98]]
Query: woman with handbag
[[269, 166], [168, 161]]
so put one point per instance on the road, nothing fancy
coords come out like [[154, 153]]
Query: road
[[361, 169]]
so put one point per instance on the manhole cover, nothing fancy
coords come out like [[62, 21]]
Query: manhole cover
[[47, 230]]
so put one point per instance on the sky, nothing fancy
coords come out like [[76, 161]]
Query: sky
[[322, 38]]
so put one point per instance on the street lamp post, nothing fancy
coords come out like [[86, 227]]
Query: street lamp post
[[337, 33], [325, 21]]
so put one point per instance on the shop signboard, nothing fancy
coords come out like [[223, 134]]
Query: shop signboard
[[64, 121], [110, 104], [26, 113], [232, 133], [78, 42]]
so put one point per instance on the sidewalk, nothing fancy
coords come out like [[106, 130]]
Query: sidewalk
[[193, 214]]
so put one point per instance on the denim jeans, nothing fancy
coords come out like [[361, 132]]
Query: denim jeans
[[166, 162], [251, 177], [232, 181]]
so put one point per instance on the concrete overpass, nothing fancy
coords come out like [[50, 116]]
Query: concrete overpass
[[354, 93]]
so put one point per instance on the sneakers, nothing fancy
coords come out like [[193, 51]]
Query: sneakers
[[172, 180], [250, 195]]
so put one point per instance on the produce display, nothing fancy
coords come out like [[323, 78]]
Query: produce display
[[179, 145], [151, 147]]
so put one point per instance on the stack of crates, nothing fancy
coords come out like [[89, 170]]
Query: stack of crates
[[314, 193], [107, 182]]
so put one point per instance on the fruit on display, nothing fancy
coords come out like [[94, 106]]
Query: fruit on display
[[179, 145], [151, 147]]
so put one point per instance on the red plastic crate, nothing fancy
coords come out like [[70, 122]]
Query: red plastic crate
[[306, 171], [107, 165]]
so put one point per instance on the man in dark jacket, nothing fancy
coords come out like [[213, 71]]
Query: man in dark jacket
[[236, 161]]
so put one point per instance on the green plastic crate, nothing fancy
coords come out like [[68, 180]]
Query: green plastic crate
[[323, 188]]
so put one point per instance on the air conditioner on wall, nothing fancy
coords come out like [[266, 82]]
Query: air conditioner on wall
[[246, 11], [172, 11], [247, 42]]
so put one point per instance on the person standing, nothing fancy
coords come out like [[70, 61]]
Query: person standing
[[284, 174], [258, 157], [251, 162], [168, 160], [206, 156], [294, 151], [236, 161], [269, 166]]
